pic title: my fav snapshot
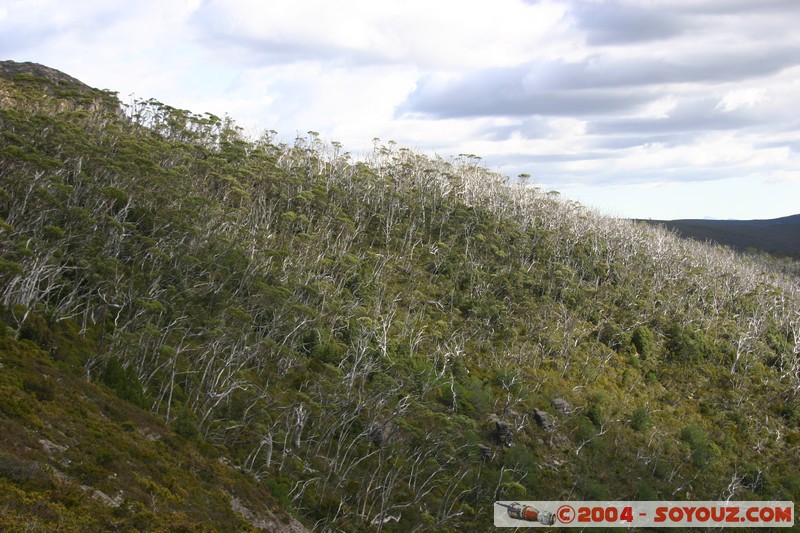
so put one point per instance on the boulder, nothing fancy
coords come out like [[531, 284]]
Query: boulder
[[486, 452], [542, 419], [502, 431], [379, 433], [561, 405]]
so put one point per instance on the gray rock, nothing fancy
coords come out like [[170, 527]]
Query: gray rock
[[502, 429], [486, 452], [561, 405], [380, 433], [542, 419]]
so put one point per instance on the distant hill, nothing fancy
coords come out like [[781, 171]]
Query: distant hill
[[779, 237]]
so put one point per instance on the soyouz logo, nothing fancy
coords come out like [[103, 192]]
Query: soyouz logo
[[643, 514]]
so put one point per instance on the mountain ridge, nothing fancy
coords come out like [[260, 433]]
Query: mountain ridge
[[789, 219], [779, 237]]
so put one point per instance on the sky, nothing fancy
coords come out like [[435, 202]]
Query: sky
[[661, 109]]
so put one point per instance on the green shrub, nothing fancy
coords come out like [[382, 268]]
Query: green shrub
[[512, 490], [124, 382], [24, 473], [687, 345], [640, 419], [42, 388], [586, 430], [645, 493], [611, 335], [702, 448], [185, 425], [661, 469], [592, 490], [279, 489], [595, 411], [792, 483], [642, 339], [35, 328]]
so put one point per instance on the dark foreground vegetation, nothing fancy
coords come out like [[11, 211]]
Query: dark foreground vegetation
[[206, 332]]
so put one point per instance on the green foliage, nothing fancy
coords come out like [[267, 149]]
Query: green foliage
[[661, 469], [612, 336], [595, 409], [35, 328], [185, 425], [586, 430], [792, 483], [24, 473], [701, 446], [43, 389], [512, 491], [645, 493], [642, 338], [640, 419], [123, 381], [54, 471], [687, 345], [279, 489], [473, 396], [592, 490], [289, 329]]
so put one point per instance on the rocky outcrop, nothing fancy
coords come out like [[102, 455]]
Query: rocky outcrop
[[267, 521], [542, 419], [502, 431], [561, 405], [12, 69]]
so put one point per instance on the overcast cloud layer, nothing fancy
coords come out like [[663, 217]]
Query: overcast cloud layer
[[643, 108]]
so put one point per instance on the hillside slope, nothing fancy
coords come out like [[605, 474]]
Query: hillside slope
[[389, 344]]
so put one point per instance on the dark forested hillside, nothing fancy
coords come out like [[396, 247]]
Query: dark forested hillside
[[779, 237], [202, 330]]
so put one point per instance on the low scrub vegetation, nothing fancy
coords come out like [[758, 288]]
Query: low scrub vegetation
[[195, 321]]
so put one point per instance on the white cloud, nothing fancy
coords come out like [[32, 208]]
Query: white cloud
[[741, 98], [579, 93], [659, 109], [441, 34]]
